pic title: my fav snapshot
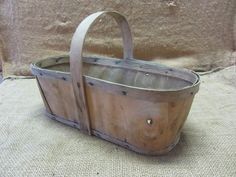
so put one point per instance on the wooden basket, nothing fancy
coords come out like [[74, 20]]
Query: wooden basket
[[136, 104]]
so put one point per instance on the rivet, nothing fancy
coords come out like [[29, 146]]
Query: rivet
[[57, 60], [117, 62], [63, 78], [191, 93], [98, 135], [90, 83], [149, 121], [124, 92], [126, 146], [147, 74]]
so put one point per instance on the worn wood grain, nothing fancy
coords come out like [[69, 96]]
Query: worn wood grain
[[139, 105]]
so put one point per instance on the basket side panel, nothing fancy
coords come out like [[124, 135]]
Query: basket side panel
[[150, 127], [43, 97], [178, 112], [60, 98]]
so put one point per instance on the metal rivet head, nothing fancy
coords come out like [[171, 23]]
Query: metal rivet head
[[147, 74], [124, 92], [90, 83], [117, 62], [63, 78], [149, 121]]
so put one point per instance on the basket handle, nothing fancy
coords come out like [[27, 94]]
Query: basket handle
[[76, 62]]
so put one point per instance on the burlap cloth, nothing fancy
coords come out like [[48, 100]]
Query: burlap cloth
[[32, 145], [197, 34]]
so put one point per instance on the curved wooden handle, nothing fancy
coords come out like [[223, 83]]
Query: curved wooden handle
[[76, 62]]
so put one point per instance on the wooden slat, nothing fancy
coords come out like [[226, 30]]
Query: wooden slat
[[60, 98]]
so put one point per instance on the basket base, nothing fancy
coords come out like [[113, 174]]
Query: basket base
[[114, 140]]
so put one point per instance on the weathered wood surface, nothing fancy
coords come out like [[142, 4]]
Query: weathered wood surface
[[141, 106], [59, 98]]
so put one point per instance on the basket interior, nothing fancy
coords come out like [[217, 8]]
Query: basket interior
[[162, 80]]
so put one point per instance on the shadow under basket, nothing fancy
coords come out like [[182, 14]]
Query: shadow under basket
[[136, 104]]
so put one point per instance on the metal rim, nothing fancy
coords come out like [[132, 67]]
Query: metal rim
[[66, 76]]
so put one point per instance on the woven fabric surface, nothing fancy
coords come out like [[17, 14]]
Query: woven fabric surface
[[33, 145], [184, 33]]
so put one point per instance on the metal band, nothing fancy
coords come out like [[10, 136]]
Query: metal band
[[115, 140], [76, 63]]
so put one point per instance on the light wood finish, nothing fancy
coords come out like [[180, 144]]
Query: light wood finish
[[76, 55], [59, 97], [139, 105]]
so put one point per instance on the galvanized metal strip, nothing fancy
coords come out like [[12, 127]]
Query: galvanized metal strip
[[115, 140], [144, 66], [43, 72], [137, 65], [153, 95], [63, 120]]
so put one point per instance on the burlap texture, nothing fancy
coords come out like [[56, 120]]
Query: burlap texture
[[185, 33], [33, 145]]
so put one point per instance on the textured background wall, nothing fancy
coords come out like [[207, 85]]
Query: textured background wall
[[234, 31], [194, 34]]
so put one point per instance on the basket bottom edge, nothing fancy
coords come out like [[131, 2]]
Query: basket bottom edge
[[115, 140]]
